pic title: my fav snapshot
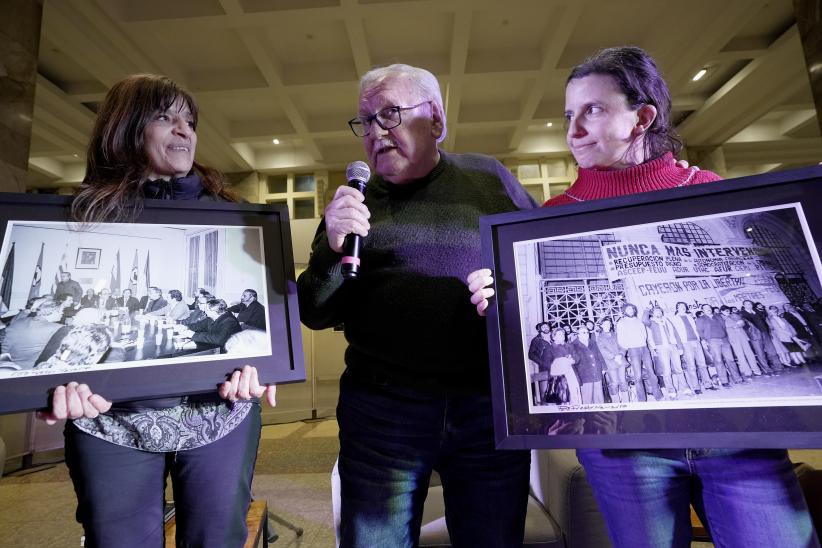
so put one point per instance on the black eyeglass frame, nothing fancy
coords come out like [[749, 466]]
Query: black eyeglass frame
[[366, 121]]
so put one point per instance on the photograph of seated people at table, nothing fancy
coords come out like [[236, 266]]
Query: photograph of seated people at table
[[137, 319]]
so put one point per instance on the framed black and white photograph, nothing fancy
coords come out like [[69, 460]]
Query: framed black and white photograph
[[683, 318], [88, 257], [179, 299]]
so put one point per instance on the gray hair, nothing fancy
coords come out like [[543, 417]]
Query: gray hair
[[48, 307], [217, 305], [424, 83]]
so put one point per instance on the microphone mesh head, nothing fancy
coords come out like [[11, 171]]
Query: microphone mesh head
[[358, 170]]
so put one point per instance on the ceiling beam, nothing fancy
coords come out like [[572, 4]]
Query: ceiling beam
[[308, 17], [49, 167], [64, 143], [712, 37], [86, 32], [460, 40], [796, 120], [792, 151], [553, 46], [356, 36], [272, 74], [748, 95], [80, 39], [61, 112]]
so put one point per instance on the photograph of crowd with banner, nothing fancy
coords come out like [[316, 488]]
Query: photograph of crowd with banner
[[113, 296], [720, 310]]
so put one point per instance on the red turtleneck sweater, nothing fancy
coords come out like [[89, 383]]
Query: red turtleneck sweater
[[659, 174]]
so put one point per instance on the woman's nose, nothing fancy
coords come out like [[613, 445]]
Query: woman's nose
[[182, 127], [575, 127]]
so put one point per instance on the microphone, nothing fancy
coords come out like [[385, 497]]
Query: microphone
[[357, 174]]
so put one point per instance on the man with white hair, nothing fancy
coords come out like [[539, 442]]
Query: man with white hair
[[415, 395], [26, 338]]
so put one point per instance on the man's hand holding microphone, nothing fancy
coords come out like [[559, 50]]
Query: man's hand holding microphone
[[346, 218]]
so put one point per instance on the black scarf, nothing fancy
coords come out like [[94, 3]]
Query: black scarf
[[189, 187]]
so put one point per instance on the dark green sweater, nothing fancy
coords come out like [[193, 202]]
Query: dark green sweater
[[408, 316]]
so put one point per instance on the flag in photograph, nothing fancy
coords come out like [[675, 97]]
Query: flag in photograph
[[146, 277], [37, 277], [132, 277], [62, 267], [114, 285], [5, 286]]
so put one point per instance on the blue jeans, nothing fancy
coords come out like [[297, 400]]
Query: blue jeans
[[392, 437], [721, 351], [120, 491], [745, 498], [643, 368]]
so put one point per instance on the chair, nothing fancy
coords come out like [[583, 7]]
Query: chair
[[256, 521], [562, 512]]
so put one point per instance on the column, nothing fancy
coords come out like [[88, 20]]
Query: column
[[809, 21], [19, 45]]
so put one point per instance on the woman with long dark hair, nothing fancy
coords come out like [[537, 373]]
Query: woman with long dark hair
[[618, 108], [119, 455]]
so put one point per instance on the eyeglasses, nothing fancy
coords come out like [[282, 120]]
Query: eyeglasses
[[387, 118]]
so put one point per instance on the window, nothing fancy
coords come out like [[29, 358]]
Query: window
[[575, 303], [277, 184], [302, 193], [305, 183], [304, 208], [193, 264], [782, 256], [574, 258], [536, 193], [684, 234], [203, 261]]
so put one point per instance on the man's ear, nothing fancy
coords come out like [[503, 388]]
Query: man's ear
[[646, 114], [437, 120]]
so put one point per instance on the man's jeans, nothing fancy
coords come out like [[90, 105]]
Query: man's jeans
[[393, 436], [693, 358], [766, 354], [721, 351], [642, 367], [745, 498]]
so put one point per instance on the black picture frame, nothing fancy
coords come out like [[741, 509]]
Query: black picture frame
[[522, 422], [88, 258], [285, 364]]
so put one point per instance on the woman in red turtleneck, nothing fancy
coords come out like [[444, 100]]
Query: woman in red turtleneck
[[618, 111], [622, 145], [663, 172]]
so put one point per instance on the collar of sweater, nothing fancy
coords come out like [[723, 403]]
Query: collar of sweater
[[412, 186], [658, 174], [185, 188]]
